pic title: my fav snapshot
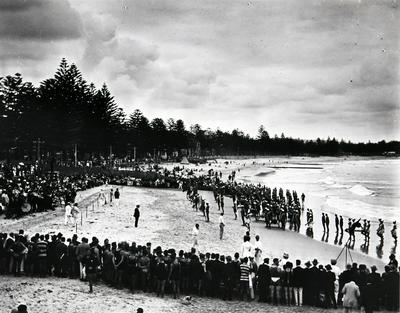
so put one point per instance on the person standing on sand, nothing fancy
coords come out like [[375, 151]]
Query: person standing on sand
[[92, 264], [341, 224], [103, 197], [258, 247], [82, 251], [136, 215], [337, 223], [263, 279], [235, 208], [327, 222], [247, 247], [207, 212], [323, 221], [75, 213], [298, 281], [221, 226], [116, 197], [244, 279], [351, 293], [381, 230], [195, 234], [68, 213], [242, 215], [330, 279], [219, 202], [111, 196]]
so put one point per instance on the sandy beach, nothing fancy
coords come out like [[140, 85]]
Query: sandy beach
[[167, 219], [54, 295]]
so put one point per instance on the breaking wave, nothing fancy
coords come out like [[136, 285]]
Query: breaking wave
[[361, 190]]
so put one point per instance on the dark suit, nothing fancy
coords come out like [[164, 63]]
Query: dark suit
[[229, 278], [314, 279], [263, 278], [298, 281], [61, 263], [374, 284], [329, 284], [136, 215]]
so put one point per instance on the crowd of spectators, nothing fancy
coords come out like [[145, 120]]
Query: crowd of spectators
[[26, 189], [167, 271]]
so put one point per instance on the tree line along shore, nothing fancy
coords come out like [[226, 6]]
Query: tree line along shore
[[65, 115]]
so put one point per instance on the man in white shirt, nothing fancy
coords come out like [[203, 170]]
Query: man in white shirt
[[221, 226], [68, 213], [247, 248], [337, 271], [75, 212], [258, 247]]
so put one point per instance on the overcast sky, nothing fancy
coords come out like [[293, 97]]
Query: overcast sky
[[308, 68]]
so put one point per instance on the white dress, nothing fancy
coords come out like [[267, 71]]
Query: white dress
[[247, 249], [195, 233]]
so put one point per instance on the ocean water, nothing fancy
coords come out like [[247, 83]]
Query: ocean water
[[366, 188]]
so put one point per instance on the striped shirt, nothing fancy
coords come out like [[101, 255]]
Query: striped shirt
[[41, 247], [244, 272]]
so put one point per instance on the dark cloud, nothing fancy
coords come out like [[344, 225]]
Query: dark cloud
[[39, 20], [303, 67], [18, 5]]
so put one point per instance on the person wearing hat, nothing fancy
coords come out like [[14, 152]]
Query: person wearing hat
[[136, 215], [344, 278], [330, 279], [372, 290], [314, 276], [380, 230]]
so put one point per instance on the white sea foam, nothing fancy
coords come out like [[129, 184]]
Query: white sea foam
[[357, 208], [328, 180], [360, 190], [332, 183]]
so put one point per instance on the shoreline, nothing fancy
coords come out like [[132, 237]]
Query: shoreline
[[281, 156]]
